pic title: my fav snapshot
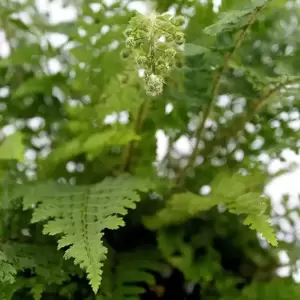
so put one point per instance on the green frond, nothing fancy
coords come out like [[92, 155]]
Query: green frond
[[241, 195], [180, 208], [92, 144], [12, 148], [81, 213], [7, 270], [183, 254], [261, 224], [281, 289], [7, 290], [50, 268], [232, 20]]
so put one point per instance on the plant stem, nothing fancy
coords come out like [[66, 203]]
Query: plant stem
[[260, 103], [215, 91], [142, 110], [138, 123], [263, 101]]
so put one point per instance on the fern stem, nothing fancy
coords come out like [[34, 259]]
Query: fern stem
[[215, 91], [138, 124], [262, 102], [142, 110]]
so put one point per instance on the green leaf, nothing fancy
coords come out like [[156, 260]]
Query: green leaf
[[38, 85], [228, 21], [193, 49], [180, 208], [37, 291], [21, 55], [7, 270], [261, 224], [248, 203], [82, 53], [92, 144], [234, 19], [12, 148], [97, 141]]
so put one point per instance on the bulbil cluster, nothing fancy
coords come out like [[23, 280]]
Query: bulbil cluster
[[153, 40]]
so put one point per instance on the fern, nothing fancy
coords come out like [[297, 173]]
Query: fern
[[92, 144], [7, 290], [233, 20], [124, 278], [51, 268], [260, 223], [241, 69], [180, 208], [7, 270], [240, 194], [81, 213], [12, 148], [281, 289], [44, 269], [183, 254]]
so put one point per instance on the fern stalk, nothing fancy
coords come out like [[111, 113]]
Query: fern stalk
[[261, 103], [138, 124], [143, 108], [215, 91]]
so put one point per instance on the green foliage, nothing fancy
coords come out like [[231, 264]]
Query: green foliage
[[92, 144], [90, 207], [12, 148], [243, 197], [81, 214], [129, 270], [7, 270]]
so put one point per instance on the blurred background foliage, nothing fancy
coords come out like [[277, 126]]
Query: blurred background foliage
[[66, 90]]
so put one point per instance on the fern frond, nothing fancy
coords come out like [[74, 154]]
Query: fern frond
[[50, 268], [233, 20], [183, 255], [7, 270], [7, 290], [12, 147], [132, 269], [180, 208], [37, 291], [92, 144], [281, 289], [81, 214], [241, 195], [260, 223], [45, 264]]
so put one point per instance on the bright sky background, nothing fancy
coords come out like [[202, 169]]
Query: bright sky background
[[285, 184]]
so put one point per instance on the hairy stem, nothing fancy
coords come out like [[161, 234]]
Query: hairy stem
[[240, 125], [215, 91], [263, 101], [138, 123], [142, 110]]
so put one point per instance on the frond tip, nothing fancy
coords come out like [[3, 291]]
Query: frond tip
[[261, 224], [81, 213]]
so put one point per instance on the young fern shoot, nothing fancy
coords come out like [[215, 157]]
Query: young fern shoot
[[154, 40], [154, 43]]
